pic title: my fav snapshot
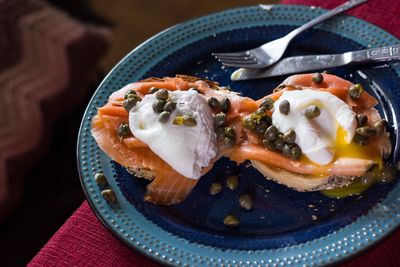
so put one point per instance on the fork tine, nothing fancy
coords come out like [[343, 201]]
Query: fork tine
[[238, 61], [234, 58], [242, 65], [235, 54]]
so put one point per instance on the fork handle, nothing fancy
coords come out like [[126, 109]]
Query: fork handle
[[339, 9], [386, 53]]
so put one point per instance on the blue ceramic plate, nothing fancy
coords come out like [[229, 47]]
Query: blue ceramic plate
[[284, 227]]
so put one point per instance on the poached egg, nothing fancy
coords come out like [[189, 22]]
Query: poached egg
[[323, 137], [188, 150]]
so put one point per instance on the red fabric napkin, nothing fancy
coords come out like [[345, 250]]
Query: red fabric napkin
[[84, 241]]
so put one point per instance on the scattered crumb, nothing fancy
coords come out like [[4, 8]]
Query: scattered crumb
[[205, 71], [331, 209], [214, 35], [311, 206], [314, 217], [315, 209], [266, 7], [222, 67], [313, 7], [199, 62]]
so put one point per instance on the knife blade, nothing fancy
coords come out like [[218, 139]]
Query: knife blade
[[298, 64]]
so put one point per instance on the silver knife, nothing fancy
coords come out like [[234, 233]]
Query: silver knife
[[300, 64]]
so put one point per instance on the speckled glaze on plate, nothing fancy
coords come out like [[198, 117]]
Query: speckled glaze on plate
[[285, 227]]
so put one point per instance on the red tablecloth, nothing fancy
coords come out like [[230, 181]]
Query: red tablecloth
[[84, 241]]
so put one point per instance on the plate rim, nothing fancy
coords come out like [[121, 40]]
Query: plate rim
[[299, 8]]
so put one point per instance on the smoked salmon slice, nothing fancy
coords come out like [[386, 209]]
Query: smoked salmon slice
[[167, 186]]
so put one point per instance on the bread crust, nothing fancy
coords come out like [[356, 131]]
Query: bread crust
[[300, 182]]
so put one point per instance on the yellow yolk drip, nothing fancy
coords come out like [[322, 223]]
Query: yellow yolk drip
[[353, 150]]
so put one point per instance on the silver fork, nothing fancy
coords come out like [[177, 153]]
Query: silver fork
[[269, 53]]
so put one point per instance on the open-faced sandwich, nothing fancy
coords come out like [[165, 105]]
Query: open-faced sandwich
[[314, 132], [325, 133]]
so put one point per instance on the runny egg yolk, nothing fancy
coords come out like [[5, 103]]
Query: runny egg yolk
[[342, 149], [352, 150]]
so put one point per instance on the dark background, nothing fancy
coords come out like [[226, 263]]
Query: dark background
[[51, 190]]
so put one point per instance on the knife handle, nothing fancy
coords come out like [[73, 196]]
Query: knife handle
[[386, 53]]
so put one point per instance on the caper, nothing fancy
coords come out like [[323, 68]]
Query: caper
[[129, 94], [284, 107], [267, 119], [162, 94], [295, 153], [367, 131], [269, 144], [164, 116], [362, 119], [246, 202], [128, 104], [380, 126], [229, 132], [220, 132], [170, 106], [215, 188], [289, 137], [153, 89], [355, 91], [271, 133], [248, 123], [158, 106], [360, 139], [312, 111], [123, 130], [189, 121], [232, 182], [317, 77], [262, 126], [286, 150], [220, 119], [225, 105], [100, 179], [231, 220], [109, 195], [258, 114], [213, 103], [229, 142], [178, 120], [279, 143], [268, 103]]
